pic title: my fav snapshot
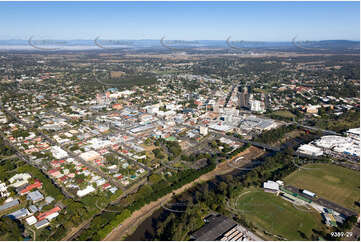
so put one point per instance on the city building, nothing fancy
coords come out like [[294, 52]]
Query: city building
[[58, 152], [203, 130]]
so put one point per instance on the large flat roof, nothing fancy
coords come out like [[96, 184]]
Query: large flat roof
[[216, 226]]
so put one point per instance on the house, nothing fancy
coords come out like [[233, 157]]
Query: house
[[41, 224], [49, 199], [55, 173], [312, 109], [36, 184], [49, 214], [10, 204], [35, 196], [31, 220], [19, 179], [33, 209], [18, 214]]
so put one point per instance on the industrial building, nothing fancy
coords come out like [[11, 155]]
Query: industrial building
[[215, 227], [221, 228], [221, 128], [309, 149], [255, 123], [338, 144]]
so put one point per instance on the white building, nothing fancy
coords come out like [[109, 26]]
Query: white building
[[90, 155], [19, 180], [58, 152], [271, 185], [256, 106], [354, 133], [203, 130], [309, 149], [86, 191], [31, 220]]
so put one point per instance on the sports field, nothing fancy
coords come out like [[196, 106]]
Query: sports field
[[279, 217], [337, 184]]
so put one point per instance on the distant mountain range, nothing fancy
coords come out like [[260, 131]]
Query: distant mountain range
[[17, 44]]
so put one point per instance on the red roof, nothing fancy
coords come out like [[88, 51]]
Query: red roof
[[42, 216], [63, 178], [52, 171], [36, 184], [106, 185]]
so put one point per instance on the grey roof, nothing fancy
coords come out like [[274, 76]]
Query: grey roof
[[41, 223], [9, 204], [49, 199], [214, 228], [35, 196], [21, 188], [19, 213], [33, 209]]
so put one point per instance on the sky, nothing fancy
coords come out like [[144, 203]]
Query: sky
[[250, 21]]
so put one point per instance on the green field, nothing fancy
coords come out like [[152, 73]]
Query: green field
[[279, 217], [331, 182], [283, 114]]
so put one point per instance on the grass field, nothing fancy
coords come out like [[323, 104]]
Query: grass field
[[279, 217], [334, 183], [284, 114]]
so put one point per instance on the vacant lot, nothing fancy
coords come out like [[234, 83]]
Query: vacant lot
[[334, 183], [116, 74], [284, 114], [273, 214]]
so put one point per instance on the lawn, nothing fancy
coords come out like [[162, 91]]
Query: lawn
[[279, 217], [331, 182], [284, 114]]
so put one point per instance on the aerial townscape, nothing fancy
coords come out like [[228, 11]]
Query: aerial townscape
[[214, 140]]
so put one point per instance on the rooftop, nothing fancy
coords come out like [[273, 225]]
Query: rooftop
[[214, 228]]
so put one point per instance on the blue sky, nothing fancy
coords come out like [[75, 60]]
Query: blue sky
[[262, 21]]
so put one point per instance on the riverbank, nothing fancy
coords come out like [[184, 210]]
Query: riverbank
[[131, 223]]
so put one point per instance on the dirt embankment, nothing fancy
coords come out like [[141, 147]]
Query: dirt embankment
[[140, 215]]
